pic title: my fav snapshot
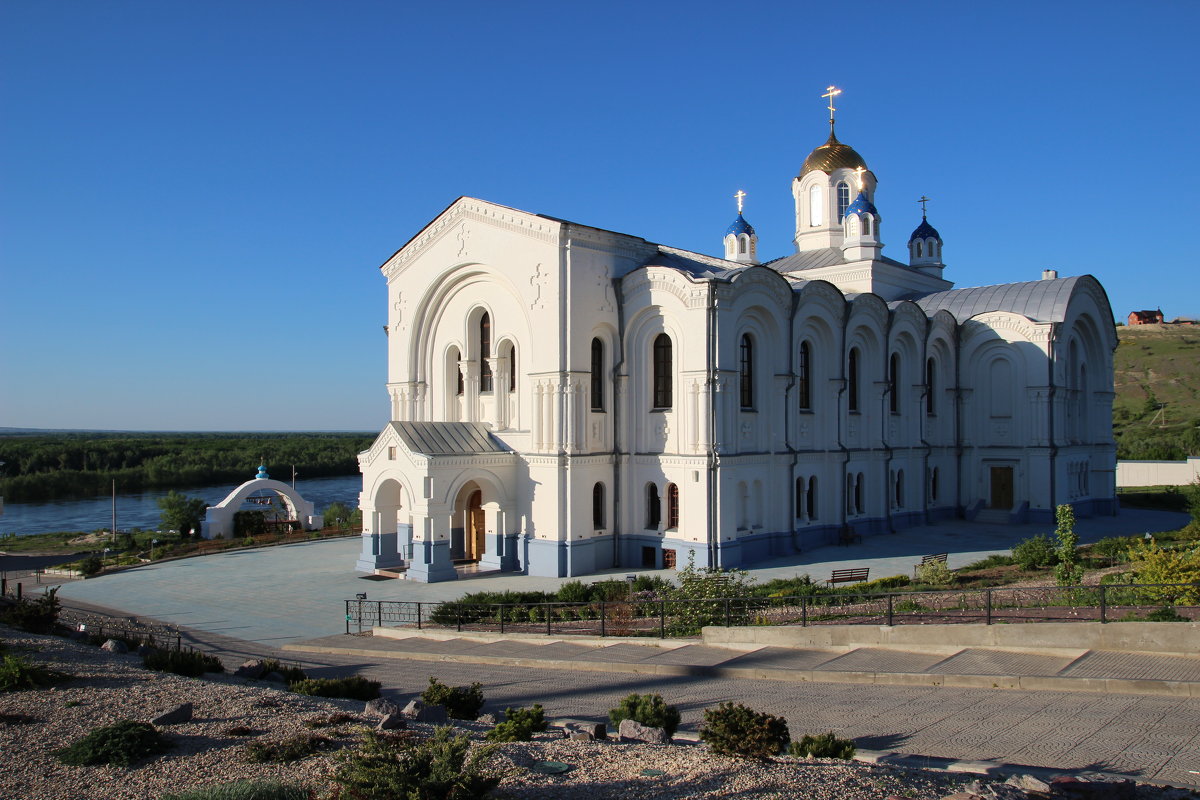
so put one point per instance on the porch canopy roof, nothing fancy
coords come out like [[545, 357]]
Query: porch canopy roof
[[448, 438]]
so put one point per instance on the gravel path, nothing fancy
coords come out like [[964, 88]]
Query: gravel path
[[108, 688]]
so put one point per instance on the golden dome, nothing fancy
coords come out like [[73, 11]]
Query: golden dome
[[832, 155]]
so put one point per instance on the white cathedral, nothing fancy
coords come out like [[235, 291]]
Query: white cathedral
[[566, 399]]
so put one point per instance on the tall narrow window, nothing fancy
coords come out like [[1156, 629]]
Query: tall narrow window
[[485, 353], [452, 359], [933, 485], [746, 372], [894, 383], [799, 498], [866, 223], [672, 506], [653, 507], [858, 494], [597, 375], [662, 372], [843, 197], [918, 249], [930, 386], [852, 380], [804, 374], [512, 367], [812, 497], [598, 507], [814, 206], [849, 494], [900, 488]]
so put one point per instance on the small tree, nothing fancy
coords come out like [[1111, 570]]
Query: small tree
[[181, 513], [1067, 572], [1152, 564]]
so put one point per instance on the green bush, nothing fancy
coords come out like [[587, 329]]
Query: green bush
[[461, 702], [190, 663], [574, 592], [293, 748], [736, 730], [1165, 614], [120, 744], [994, 560], [439, 768], [90, 566], [290, 674], [824, 745], [648, 709], [244, 790], [519, 725], [17, 674], [355, 687], [1113, 548], [38, 615], [934, 573], [1034, 552]]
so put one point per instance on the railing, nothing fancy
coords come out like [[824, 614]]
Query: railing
[[662, 618], [127, 628]]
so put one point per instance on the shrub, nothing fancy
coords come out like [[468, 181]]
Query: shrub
[[994, 560], [190, 663], [461, 702], [519, 725], [293, 748], [1067, 572], [244, 790], [435, 769], [1112, 548], [1036, 551], [290, 674], [934, 573], [90, 566], [648, 709], [38, 615], [120, 744], [574, 592], [736, 730], [355, 687], [1154, 564], [17, 674], [824, 745], [1165, 614]]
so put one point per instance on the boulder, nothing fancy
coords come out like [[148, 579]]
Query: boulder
[[486, 719], [392, 722], [174, 716], [1028, 783], [594, 730], [632, 731], [381, 707], [254, 669], [580, 736], [419, 712], [115, 646]]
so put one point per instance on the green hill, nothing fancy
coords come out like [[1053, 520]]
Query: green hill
[[1156, 413]]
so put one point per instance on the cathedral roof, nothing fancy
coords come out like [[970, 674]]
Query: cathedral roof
[[832, 155], [740, 226], [1040, 301], [862, 205], [448, 438], [925, 231]]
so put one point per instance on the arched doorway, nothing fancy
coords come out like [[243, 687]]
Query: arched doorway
[[468, 539]]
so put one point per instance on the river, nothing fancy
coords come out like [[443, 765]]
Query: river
[[140, 509]]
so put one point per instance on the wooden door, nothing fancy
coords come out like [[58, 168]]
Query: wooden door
[[475, 527], [1002, 487]]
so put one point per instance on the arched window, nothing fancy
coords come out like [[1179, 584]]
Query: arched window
[[812, 498], [852, 380], [672, 506], [799, 498], [849, 494], [900, 488], [653, 507], [746, 372], [662, 372], [814, 206], [866, 223], [894, 384], [598, 507], [804, 377], [852, 227], [485, 353], [933, 485], [843, 199], [742, 242], [858, 494], [452, 359], [512, 367], [918, 248], [930, 386], [597, 375]]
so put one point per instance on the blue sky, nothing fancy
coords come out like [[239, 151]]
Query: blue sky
[[195, 197]]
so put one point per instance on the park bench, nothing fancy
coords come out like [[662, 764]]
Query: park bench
[[852, 575], [929, 560]]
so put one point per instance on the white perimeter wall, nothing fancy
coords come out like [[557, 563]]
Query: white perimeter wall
[[1157, 473]]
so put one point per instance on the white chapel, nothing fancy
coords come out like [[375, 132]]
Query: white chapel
[[566, 399]]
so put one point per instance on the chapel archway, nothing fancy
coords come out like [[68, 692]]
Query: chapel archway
[[468, 526]]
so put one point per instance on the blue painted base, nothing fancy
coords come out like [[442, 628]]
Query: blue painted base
[[684, 550], [546, 558], [431, 563], [378, 552]]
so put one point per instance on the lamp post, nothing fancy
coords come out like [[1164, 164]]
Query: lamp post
[[153, 547]]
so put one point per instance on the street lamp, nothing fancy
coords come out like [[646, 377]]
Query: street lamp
[[153, 547]]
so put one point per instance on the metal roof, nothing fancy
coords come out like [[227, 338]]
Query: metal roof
[[1041, 301], [448, 438]]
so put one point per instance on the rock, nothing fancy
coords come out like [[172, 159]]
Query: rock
[[114, 646], [594, 730], [995, 791], [580, 736], [381, 707], [486, 719], [1099, 788], [174, 716], [632, 731], [392, 722], [419, 712], [254, 669], [1028, 783], [274, 677]]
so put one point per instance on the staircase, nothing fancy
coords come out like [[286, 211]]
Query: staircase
[[994, 516]]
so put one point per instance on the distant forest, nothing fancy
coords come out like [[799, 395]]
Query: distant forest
[[43, 466]]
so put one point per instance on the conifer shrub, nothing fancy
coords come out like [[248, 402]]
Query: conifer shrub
[[293, 748], [121, 744], [355, 687], [244, 790], [460, 702], [823, 745], [519, 725], [18, 675], [290, 674], [440, 768], [1034, 552], [38, 615], [737, 730], [649, 710], [189, 663]]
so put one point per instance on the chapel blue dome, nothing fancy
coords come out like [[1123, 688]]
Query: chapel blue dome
[[862, 205], [740, 226], [925, 231], [262, 472]]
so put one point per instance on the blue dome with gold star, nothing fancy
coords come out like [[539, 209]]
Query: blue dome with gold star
[[925, 231], [740, 226], [862, 205]]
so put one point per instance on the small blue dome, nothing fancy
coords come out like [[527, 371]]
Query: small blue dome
[[925, 231], [739, 227], [262, 472], [862, 205]]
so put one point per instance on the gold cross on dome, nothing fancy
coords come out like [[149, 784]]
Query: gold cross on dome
[[858, 173], [923, 201], [740, 196], [831, 93]]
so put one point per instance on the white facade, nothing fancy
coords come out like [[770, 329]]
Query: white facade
[[1158, 473], [567, 399]]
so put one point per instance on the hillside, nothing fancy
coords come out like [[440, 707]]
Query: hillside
[[1157, 365]]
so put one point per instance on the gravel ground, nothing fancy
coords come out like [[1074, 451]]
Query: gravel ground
[[108, 688]]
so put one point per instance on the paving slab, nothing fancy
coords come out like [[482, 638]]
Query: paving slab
[[870, 659], [1135, 666], [975, 661]]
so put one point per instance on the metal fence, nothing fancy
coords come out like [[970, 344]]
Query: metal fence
[[662, 618], [129, 629]]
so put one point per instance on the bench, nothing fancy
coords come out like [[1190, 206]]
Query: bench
[[929, 560], [852, 575]]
